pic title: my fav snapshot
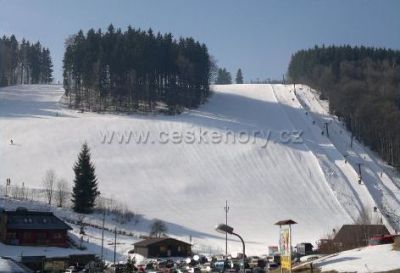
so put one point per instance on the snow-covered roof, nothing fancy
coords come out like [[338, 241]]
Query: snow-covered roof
[[34, 220], [8, 265]]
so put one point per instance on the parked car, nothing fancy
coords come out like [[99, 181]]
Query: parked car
[[310, 258], [272, 265], [221, 265], [71, 269], [253, 262], [206, 267], [382, 239]]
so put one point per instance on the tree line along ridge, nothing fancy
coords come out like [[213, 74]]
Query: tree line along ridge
[[362, 85], [24, 63]]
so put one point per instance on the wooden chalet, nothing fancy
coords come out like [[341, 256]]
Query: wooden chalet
[[32, 228], [350, 237], [162, 247]]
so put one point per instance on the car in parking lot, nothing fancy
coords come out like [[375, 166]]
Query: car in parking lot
[[382, 239]]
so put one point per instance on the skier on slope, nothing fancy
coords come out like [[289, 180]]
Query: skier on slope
[[11, 141]]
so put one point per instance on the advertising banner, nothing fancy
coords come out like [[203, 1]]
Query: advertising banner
[[285, 248]]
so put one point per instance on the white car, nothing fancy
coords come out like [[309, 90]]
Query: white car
[[310, 258]]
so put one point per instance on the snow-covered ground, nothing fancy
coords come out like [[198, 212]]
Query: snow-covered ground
[[378, 258], [378, 188], [7, 265], [272, 176], [91, 240], [379, 181]]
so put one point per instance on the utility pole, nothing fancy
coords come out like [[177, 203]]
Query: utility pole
[[226, 208], [115, 244], [102, 235]]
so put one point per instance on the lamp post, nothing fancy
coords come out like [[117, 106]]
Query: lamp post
[[222, 228]]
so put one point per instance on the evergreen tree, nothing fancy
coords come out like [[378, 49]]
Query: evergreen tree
[[84, 192], [239, 77], [135, 71], [223, 77], [23, 63], [362, 86]]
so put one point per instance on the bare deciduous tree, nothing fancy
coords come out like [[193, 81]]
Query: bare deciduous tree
[[49, 183], [61, 192], [16, 192], [158, 228]]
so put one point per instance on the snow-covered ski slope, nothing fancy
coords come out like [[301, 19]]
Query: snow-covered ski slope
[[253, 145], [378, 180]]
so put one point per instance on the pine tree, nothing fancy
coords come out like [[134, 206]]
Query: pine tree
[[135, 71], [239, 77], [223, 77], [23, 63], [85, 190]]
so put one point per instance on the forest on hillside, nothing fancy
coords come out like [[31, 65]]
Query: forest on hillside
[[135, 71], [24, 63], [362, 85]]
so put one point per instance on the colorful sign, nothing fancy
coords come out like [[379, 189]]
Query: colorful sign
[[285, 248], [272, 250], [286, 262]]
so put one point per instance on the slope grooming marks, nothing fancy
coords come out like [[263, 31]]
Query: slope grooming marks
[[244, 145]]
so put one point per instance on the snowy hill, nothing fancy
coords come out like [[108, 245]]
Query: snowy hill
[[380, 258], [245, 145]]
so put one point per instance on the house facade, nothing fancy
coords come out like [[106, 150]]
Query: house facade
[[353, 236], [350, 237], [163, 247], [32, 228]]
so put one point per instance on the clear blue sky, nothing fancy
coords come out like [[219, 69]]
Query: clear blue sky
[[258, 36]]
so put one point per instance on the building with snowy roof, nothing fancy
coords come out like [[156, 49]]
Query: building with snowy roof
[[32, 228], [162, 247]]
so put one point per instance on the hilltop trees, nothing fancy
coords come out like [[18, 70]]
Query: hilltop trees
[[24, 63], [363, 88], [239, 77], [84, 192], [223, 77], [135, 71], [158, 229]]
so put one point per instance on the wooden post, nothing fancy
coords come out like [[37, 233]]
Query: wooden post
[[102, 235], [115, 245], [326, 127]]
